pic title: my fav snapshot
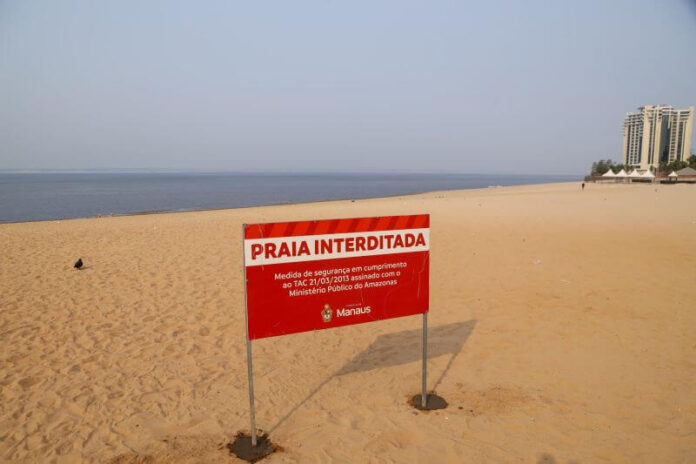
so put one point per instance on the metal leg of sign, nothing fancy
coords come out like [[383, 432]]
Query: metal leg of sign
[[250, 375], [424, 396], [250, 370]]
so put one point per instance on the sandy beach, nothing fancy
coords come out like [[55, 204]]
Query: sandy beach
[[562, 330]]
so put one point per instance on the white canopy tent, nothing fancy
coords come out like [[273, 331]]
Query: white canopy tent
[[621, 173], [609, 173], [673, 175], [648, 175], [635, 174]]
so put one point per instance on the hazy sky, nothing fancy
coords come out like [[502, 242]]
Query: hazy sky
[[529, 87]]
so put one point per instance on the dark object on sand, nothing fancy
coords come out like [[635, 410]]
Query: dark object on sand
[[241, 447], [78, 264], [432, 402]]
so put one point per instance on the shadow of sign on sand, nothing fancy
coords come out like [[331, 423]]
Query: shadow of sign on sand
[[399, 348], [404, 347]]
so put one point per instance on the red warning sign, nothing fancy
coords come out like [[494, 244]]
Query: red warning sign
[[312, 275]]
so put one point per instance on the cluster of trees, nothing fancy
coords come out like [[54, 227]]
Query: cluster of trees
[[677, 165], [602, 166]]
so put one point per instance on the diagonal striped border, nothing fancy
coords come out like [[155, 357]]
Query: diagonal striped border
[[335, 226]]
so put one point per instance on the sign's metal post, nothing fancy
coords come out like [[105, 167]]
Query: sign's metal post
[[424, 396], [250, 374], [250, 370]]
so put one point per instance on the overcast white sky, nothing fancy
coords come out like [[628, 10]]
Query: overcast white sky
[[516, 87]]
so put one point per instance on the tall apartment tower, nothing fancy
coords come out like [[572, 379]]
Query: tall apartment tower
[[657, 134]]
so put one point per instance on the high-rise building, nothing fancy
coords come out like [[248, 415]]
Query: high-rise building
[[657, 134]]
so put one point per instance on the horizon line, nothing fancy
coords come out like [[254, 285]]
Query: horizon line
[[263, 171]]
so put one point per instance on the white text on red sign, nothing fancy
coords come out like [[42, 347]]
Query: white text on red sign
[[266, 251]]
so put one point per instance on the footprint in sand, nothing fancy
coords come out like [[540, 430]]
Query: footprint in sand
[[29, 382]]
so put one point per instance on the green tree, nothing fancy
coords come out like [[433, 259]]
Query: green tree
[[617, 168], [602, 166], [673, 166]]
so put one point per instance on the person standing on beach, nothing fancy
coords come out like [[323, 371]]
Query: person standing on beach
[[583, 186]]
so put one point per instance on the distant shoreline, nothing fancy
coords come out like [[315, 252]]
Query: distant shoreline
[[202, 210], [276, 173], [28, 198]]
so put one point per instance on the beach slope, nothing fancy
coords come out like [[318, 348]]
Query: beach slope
[[562, 330]]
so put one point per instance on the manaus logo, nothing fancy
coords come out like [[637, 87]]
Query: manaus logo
[[326, 313]]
